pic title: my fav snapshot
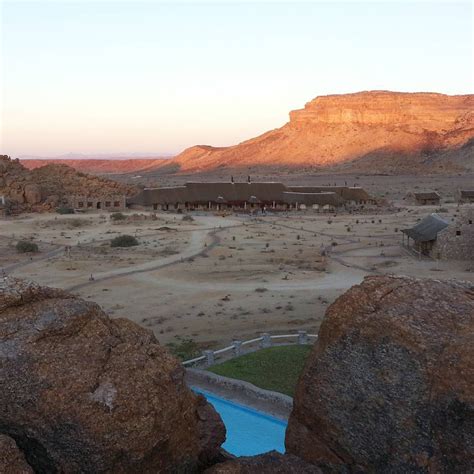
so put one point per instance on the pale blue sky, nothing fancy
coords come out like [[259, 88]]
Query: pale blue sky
[[158, 77]]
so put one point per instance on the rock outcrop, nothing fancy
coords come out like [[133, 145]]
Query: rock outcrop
[[372, 131], [80, 392], [268, 463], [12, 460], [52, 185], [389, 386]]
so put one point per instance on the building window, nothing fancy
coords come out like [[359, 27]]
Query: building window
[[116, 203], [458, 232], [89, 204], [107, 203], [80, 204]]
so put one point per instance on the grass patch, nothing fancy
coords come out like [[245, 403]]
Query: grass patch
[[275, 368]]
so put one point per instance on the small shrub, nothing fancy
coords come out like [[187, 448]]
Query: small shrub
[[25, 246], [76, 222], [184, 349], [188, 218], [124, 241], [117, 216], [65, 210]]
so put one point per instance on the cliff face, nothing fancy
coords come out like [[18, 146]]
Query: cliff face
[[337, 129]]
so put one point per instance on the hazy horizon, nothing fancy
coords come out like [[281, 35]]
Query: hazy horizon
[[155, 78]]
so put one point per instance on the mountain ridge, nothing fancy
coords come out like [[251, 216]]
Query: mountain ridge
[[334, 130], [370, 131]]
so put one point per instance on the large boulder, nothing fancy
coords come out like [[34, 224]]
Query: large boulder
[[32, 193], [12, 460], [389, 386], [80, 392], [268, 463]]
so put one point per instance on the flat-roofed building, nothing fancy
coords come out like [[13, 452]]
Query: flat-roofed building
[[113, 203], [424, 198], [466, 196]]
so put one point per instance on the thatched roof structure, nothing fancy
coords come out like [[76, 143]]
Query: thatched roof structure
[[354, 193], [261, 193], [310, 199], [427, 229], [234, 192]]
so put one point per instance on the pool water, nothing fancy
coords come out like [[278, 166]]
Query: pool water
[[249, 431]]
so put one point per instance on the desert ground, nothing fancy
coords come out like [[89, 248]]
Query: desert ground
[[217, 277]]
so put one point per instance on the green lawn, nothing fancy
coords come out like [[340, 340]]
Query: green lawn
[[276, 368]]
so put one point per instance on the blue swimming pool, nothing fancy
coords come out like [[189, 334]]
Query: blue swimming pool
[[249, 431]]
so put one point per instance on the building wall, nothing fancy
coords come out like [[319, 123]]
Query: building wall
[[104, 203]]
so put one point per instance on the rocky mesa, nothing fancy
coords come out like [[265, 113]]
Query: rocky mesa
[[375, 130]]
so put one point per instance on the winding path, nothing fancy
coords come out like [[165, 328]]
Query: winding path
[[196, 247]]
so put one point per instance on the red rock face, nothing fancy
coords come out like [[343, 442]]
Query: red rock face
[[389, 386], [268, 463], [12, 460], [80, 392], [336, 129]]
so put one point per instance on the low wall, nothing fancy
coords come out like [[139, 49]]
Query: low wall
[[245, 393], [238, 348]]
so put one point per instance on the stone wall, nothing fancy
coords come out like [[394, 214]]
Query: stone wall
[[107, 203], [456, 242]]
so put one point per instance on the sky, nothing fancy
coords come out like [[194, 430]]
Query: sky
[[157, 77]]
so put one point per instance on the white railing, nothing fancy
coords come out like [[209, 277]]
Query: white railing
[[265, 340]]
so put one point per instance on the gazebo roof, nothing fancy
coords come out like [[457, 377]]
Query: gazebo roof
[[427, 229]]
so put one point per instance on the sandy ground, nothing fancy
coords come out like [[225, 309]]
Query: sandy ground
[[220, 277]]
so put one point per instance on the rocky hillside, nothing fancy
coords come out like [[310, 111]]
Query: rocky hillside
[[376, 131], [49, 186]]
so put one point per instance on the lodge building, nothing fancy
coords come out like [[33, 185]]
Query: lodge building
[[249, 196]]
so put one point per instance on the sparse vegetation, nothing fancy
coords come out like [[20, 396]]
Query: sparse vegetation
[[26, 246], [76, 222], [124, 241], [275, 368], [117, 216], [184, 349], [188, 218], [65, 210]]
